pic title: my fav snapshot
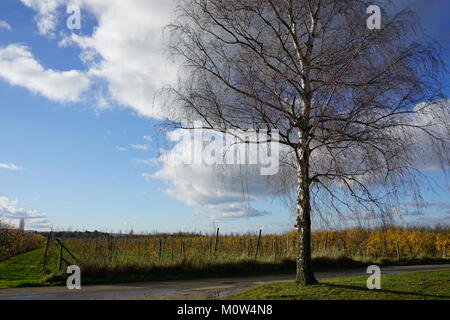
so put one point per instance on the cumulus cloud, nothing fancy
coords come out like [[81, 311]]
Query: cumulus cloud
[[146, 176], [125, 50], [426, 154], [11, 213], [141, 147], [5, 25], [217, 191], [121, 149], [10, 166], [129, 43], [46, 18], [19, 67]]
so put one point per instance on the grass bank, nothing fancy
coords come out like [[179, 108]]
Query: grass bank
[[424, 285]]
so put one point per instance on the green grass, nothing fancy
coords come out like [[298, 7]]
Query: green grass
[[26, 270], [422, 285]]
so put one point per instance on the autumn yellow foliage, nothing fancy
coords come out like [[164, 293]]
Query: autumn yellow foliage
[[355, 243], [14, 241]]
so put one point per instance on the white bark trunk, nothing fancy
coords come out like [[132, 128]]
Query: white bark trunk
[[305, 275]]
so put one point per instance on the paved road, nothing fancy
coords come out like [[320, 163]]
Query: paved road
[[182, 290]]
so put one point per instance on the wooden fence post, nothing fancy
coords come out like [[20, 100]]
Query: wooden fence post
[[210, 247], [47, 244], [287, 246], [160, 251], [67, 250], [108, 248], [274, 249], [60, 257], [139, 249], [216, 243], [182, 250], [171, 250], [258, 244]]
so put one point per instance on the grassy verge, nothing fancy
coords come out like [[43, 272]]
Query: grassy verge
[[26, 269], [425, 285]]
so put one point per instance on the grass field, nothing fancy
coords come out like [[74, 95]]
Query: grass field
[[26, 270], [423, 285]]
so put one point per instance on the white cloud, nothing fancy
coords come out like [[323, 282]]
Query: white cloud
[[11, 213], [125, 50], [217, 191], [10, 166], [151, 161], [5, 25], [129, 42], [19, 67], [146, 176], [148, 138], [141, 147], [46, 18], [121, 149]]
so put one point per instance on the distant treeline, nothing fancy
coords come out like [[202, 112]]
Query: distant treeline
[[95, 234]]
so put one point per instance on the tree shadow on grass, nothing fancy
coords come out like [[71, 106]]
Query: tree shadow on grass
[[386, 291]]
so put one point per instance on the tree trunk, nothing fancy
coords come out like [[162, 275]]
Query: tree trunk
[[305, 275]]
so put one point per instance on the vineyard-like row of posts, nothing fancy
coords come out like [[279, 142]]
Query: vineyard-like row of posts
[[356, 243]]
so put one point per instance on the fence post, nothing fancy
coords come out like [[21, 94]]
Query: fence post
[[47, 244], [258, 244], [68, 251], [160, 250], [398, 250], [182, 250], [60, 257], [274, 248], [108, 240], [139, 249], [171, 250], [287, 246], [210, 247], [216, 243]]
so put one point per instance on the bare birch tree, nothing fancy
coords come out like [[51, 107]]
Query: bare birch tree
[[349, 102]]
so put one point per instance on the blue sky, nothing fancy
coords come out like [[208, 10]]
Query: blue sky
[[76, 106]]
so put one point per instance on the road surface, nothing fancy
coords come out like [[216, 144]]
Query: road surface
[[180, 289]]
